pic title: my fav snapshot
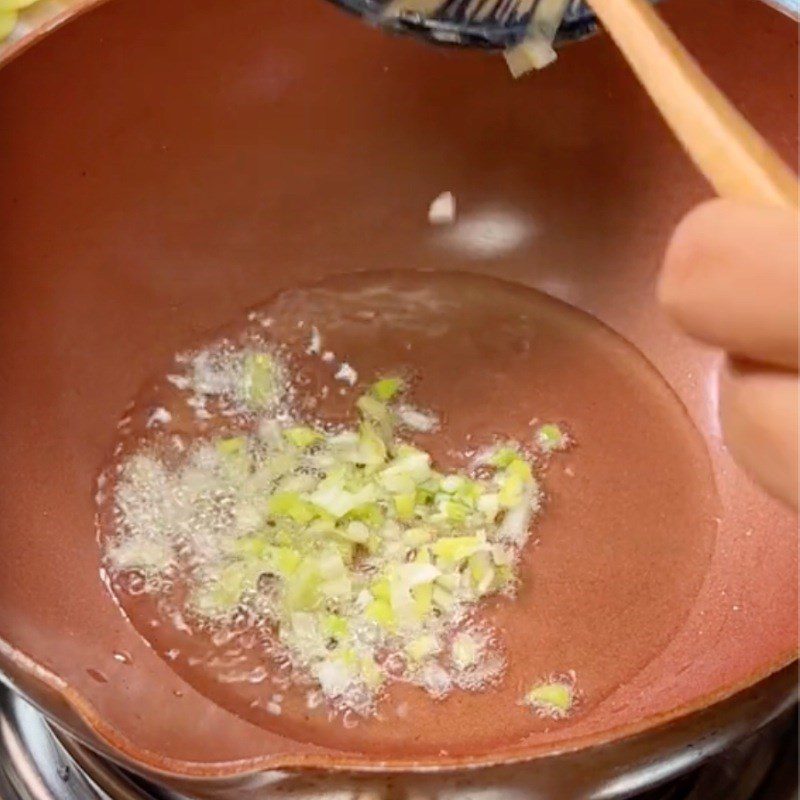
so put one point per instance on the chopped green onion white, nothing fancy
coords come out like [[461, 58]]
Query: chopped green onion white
[[350, 545], [551, 437], [552, 698]]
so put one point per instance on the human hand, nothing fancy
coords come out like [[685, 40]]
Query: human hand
[[730, 278]]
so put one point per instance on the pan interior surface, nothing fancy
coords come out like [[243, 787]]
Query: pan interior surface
[[167, 165]]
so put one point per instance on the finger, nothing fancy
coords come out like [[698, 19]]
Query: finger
[[730, 279], [758, 409]]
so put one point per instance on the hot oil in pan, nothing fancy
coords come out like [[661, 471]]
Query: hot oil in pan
[[620, 547]]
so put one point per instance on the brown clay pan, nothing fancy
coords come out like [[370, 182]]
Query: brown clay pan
[[165, 165]]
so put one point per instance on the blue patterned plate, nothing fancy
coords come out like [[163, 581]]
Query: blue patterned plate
[[501, 27]]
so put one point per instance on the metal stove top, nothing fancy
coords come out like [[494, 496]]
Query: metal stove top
[[38, 764]]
